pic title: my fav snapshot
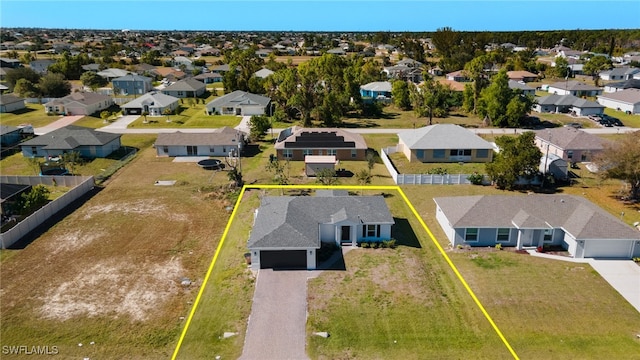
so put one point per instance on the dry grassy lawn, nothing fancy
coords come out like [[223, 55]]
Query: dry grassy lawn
[[111, 273]]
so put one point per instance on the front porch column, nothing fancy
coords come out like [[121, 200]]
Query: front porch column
[[519, 244], [311, 259], [354, 235]]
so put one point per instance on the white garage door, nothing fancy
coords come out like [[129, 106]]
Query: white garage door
[[248, 110], [608, 249]]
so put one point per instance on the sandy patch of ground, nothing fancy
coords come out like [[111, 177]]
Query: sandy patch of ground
[[73, 240], [140, 207], [125, 289]]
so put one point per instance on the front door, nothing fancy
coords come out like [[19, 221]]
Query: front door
[[345, 234]]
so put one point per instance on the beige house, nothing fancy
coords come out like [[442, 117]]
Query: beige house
[[444, 143], [79, 103]]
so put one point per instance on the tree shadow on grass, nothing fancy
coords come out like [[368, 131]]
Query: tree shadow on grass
[[403, 233]]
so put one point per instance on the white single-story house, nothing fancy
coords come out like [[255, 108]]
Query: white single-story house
[[288, 230], [239, 103], [524, 88], [10, 103], [567, 104], [619, 73], [533, 221], [574, 88], [627, 100], [185, 88], [218, 142], [153, 103], [263, 73], [79, 103], [444, 143], [90, 143]]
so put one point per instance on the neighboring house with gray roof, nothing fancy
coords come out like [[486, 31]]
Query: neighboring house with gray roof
[[288, 230], [153, 103], [263, 73], [524, 88], [239, 103], [10, 103], [570, 144], [219, 142], [619, 73], [79, 103], [567, 104], [295, 143], [9, 135], [132, 84], [627, 100], [209, 78], [41, 66], [89, 142], [376, 90], [532, 221], [444, 143], [622, 85], [186, 88], [574, 88], [112, 73]]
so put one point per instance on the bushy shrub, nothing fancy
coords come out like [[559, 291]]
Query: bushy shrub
[[391, 244], [364, 244], [498, 246], [475, 178]]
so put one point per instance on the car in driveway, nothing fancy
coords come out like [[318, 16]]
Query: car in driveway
[[575, 125]]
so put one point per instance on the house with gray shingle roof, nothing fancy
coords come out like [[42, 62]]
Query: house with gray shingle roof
[[619, 73], [239, 103], [79, 103], [376, 89], [10, 103], [627, 100], [154, 103], [209, 78], [574, 88], [570, 144], [567, 104], [132, 84], [288, 230], [524, 88], [444, 143], [9, 135], [186, 88], [89, 142], [219, 142], [532, 221]]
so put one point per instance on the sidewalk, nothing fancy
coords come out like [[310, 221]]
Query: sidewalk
[[62, 122]]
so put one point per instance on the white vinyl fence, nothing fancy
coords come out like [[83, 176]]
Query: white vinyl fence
[[423, 179], [79, 185]]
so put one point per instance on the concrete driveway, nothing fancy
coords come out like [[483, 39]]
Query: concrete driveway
[[62, 122], [622, 275], [276, 329], [121, 123]]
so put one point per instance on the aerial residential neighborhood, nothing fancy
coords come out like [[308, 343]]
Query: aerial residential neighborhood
[[319, 194]]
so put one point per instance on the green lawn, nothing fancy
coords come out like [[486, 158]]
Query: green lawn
[[33, 114], [403, 166], [627, 119]]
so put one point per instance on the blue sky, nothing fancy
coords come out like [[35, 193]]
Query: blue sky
[[327, 15]]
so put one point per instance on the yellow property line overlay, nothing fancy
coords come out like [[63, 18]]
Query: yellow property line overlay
[[337, 187]]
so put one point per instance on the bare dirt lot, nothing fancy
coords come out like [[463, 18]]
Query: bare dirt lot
[[121, 271]]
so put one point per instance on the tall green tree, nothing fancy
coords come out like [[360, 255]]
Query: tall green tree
[[92, 80], [475, 71], [518, 157], [503, 106], [400, 94], [258, 126], [621, 160], [431, 98], [561, 70], [597, 64], [13, 75], [26, 88], [54, 85]]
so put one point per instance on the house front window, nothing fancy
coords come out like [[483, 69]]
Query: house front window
[[331, 152], [438, 153], [307, 152], [460, 152], [471, 234], [420, 154], [482, 153], [165, 149], [570, 154], [503, 235], [371, 231], [287, 153], [354, 153], [548, 235], [34, 150]]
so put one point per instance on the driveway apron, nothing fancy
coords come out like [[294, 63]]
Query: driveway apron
[[277, 324], [623, 275]]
